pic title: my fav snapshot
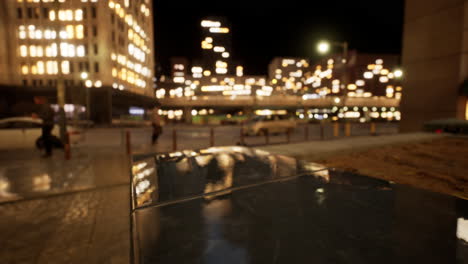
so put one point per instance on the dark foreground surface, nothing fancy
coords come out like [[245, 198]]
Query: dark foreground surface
[[242, 206]]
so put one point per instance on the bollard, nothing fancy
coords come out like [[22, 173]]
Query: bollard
[[128, 142], [322, 131], [336, 129], [372, 129], [211, 137], [67, 147], [288, 135], [348, 129], [174, 139], [306, 132], [242, 136]]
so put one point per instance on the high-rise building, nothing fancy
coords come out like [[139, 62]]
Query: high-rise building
[[216, 45], [85, 43]]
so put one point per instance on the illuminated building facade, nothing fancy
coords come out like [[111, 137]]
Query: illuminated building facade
[[364, 75], [215, 86], [287, 74], [216, 45], [106, 44]]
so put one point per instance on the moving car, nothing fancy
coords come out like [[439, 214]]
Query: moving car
[[22, 132], [271, 124]]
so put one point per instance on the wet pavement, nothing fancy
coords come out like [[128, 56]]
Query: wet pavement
[[218, 205], [236, 205], [30, 178]]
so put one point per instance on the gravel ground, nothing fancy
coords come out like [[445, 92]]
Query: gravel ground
[[439, 165]]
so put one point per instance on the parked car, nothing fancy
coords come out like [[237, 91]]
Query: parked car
[[22, 132], [272, 124]]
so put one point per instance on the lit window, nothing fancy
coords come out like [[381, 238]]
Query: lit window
[[38, 34], [69, 14], [219, 49], [368, 75], [48, 51], [239, 71], [24, 69], [31, 32], [71, 50], [54, 50], [78, 15], [70, 31], [114, 72], [40, 67], [51, 67], [39, 51], [63, 34], [47, 34], [219, 30], [80, 51], [32, 51], [65, 67], [34, 69], [225, 54], [52, 15], [22, 32], [383, 79], [64, 49], [23, 51], [62, 15]]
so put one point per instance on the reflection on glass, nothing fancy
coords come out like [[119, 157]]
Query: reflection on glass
[[226, 164], [202, 161], [144, 181]]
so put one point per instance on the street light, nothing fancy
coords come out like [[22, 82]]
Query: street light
[[323, 47]]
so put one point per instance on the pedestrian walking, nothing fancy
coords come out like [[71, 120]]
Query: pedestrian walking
[[45, 112], [157, 127]]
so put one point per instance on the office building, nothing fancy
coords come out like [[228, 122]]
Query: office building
[[105, 46]]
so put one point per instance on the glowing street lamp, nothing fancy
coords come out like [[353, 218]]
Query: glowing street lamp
[[323, 47]]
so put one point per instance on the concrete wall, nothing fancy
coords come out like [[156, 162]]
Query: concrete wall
[[435, 40]]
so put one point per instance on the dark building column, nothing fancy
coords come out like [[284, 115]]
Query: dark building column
[[434, 60], [101, 105], [188, 115]]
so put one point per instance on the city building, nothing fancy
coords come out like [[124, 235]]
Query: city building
[[214, 89], [216, 46], [101, 51], [287, 74], [362, 75], [435, 61]]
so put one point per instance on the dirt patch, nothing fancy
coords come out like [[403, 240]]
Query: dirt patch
[[440, 165]]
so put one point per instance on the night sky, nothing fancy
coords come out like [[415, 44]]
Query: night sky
[[263, 29]]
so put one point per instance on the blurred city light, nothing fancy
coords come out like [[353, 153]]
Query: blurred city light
[[398, 73]]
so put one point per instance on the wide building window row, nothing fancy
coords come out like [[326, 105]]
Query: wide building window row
[[52, 50], [66, 32]]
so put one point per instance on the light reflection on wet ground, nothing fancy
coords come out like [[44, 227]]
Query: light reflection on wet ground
[[225, 205], [45, 177]]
